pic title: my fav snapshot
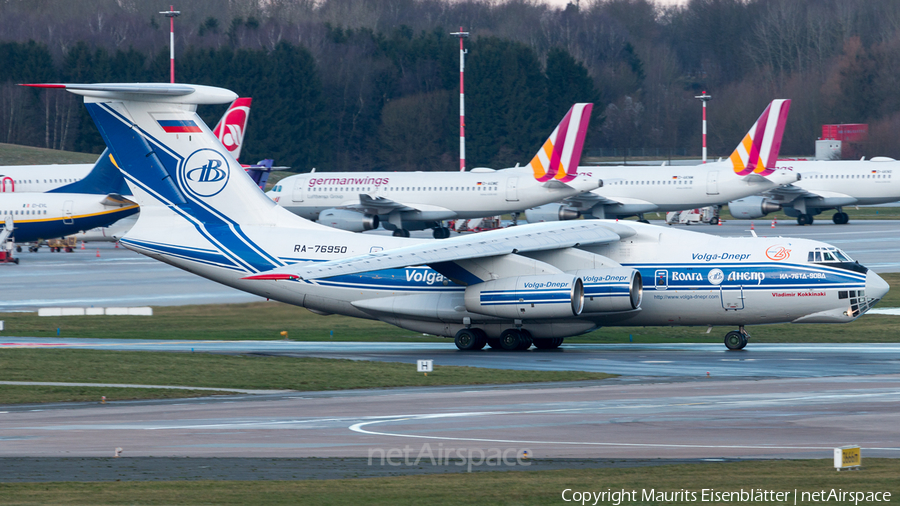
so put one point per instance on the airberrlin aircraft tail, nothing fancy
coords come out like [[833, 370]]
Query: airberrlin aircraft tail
[[196, 201], [232, 126], [559, 155], [758, 150]]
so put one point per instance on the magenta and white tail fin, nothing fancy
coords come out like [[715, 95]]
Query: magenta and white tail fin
[[559, 156], [757, 152], [231, 128]]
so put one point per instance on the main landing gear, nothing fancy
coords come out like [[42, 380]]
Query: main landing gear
[[737, 339], [473, 339], [805, 219], [840, 218], [641, 218], [400, 232], [441, 233]]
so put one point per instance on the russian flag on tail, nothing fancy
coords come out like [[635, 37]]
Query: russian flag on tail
[[176, 126]]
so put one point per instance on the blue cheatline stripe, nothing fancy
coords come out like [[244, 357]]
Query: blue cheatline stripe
[[219, 230], [205, 257]]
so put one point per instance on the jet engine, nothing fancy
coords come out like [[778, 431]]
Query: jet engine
[[611, 290], [551, 212], [346, 219], [752, 207], [550, 296]]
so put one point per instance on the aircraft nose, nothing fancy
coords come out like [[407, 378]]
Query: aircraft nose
[[876, 287]]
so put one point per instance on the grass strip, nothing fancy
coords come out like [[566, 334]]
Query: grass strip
[[513, 487], [27, 394], [242, 371], [13, 154]]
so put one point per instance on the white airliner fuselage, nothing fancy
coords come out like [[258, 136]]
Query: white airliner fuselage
[[434, 196], [41, 178], [825, 185]]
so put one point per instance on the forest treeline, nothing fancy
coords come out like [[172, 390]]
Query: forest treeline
[[374, 84]]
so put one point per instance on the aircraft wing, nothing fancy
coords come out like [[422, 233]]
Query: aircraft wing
[[588, 200], [789, 193], [377, 205], [521, 239]]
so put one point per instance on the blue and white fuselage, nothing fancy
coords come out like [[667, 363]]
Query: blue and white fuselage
[[509, 288]]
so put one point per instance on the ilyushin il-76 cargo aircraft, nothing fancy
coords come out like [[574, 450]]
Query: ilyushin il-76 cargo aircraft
[[511, 288]]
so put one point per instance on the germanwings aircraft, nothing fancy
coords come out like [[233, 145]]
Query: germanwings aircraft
[[44, 178], [510, 288], [404, 201], [629, 191], [825, 185]]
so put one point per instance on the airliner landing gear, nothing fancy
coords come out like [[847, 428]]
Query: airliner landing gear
[[470, 339], [805, 219], [840, 218], [548, 343], [641, 218], [441, 233], [515, 340], [400, 232], [737, 339]]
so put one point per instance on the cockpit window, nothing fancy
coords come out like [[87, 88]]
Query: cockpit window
[[835, 258]]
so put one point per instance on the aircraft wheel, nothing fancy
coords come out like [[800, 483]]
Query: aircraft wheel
[[548, 343], [510, 339], [525, 340], [18, 249], [804, 219], [841, 218], [401, 233], [482, 339], [441, 233], [644, 221], [714, 221], [494, 343], [735, 340], [466, 340]]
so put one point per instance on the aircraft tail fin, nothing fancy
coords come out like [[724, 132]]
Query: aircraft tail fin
[[103, 178], [231, 127], [559, 155], [169, 157], [757, 152]]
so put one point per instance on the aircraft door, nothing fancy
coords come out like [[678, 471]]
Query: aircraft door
[[512, 194], [661, 278], [67, 212], [712, 182], [299, 189], [732, 297]]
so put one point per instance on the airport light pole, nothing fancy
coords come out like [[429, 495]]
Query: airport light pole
[[462, 99], [705, 98], [171, 14]]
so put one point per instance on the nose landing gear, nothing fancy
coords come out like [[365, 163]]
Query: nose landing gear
[[737, 339]]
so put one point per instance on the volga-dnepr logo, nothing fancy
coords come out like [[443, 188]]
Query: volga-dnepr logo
[[205, 173]]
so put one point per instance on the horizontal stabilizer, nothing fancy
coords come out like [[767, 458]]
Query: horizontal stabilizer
[[521, 239], [149, 92]]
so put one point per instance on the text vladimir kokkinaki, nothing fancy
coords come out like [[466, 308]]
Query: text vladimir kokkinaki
[[616, 497]]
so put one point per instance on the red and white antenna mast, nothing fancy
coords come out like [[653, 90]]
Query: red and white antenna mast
[[705, 98], [171, 14], [462, 99]]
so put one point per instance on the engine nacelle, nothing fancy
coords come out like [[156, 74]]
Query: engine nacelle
[[611, 290], [551, 296], [346, 219], [551, 212], [748, 208]]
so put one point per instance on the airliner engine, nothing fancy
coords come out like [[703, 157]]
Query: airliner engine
[[611, 290], [551, 212], [346, 219], [553, 296], [749, 208]]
